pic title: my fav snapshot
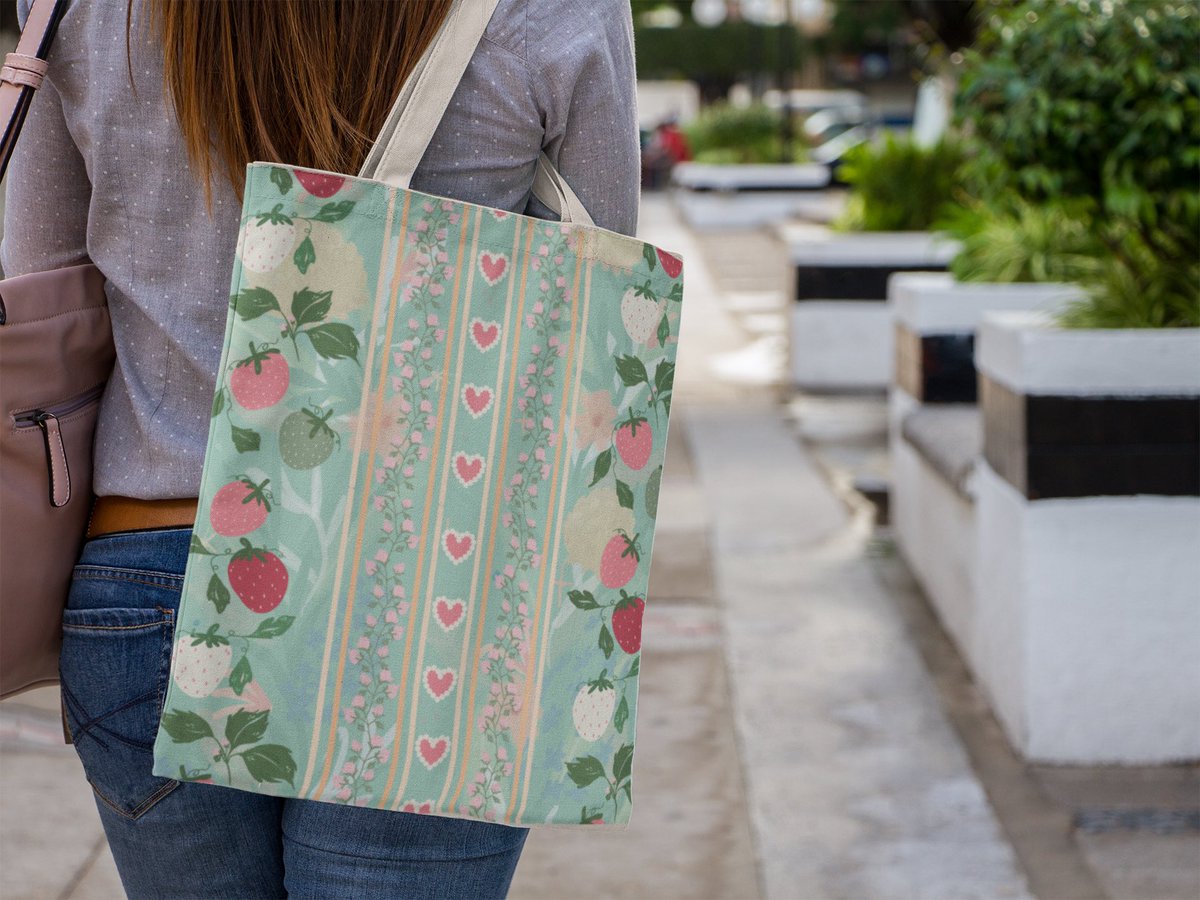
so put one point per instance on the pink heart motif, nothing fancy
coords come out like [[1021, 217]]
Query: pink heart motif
[[458, 545], [484, 334], [468, 468], [449, 612], [438, 682], [432, 750], [493, 266], [412, 807], [478, 399]]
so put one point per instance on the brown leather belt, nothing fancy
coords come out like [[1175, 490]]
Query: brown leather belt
[[112, 513]]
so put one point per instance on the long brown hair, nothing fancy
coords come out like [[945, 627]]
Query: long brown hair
[[304, 82]]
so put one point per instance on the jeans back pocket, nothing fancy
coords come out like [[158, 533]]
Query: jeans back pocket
[[114, 666]]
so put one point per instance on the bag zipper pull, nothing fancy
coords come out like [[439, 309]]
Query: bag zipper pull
[[56, 458]]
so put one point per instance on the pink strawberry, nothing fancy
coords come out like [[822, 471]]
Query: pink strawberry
[[671, 263], [319, 184], [619, 561], [240, 507], [200, 662], [593, 707], [261, 379], [635, 441], [627, 622], [258, 577]]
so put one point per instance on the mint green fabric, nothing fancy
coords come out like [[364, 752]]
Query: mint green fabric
[[427, 511]]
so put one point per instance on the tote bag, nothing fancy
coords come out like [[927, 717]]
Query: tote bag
[[426, 516]]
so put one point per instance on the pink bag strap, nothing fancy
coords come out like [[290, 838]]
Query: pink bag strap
[[24, 69]]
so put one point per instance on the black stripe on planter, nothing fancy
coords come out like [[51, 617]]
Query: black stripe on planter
[[1050, 446], [936, 368], [849, 282]]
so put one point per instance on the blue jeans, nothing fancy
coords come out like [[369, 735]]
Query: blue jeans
[[188, 839]]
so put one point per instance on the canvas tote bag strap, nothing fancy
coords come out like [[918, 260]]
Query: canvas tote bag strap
[[423, 99], [23, 71]]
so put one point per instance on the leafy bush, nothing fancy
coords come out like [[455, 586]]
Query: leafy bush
[[1024, 243], [733, 134], [1137, 288], [1093, 107], [898, 185]]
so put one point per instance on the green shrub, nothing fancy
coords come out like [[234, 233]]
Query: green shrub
[[1024, 243], [1093, 106], [897, 185], [733, 134]]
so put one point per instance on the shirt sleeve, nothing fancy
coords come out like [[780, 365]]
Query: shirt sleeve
[[585, 84], [48, 193]]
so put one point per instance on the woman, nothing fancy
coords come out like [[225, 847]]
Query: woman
[[146, 182]]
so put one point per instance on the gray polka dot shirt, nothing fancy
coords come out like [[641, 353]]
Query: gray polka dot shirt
[[101, 173]]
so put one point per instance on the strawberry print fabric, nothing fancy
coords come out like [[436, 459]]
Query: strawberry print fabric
[[422, 552]]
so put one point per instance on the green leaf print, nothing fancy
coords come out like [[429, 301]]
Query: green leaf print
[[624, 494], [653, 485], [218, 402], [664, 329], [623, 763], [603, 461], [622, 715], [245, 439], [311, 306], [664, 376], [583, 599], [334, 341], [632, 370], [676, 292], [633, 669], [334, 212], [584, 770], [606, 641], [195, 545], [587, 818], [270, 763], [650, 255], [254, 302], [218, 593], [240, 676], [184, 726], [244, 727], [304, 256], [273, 626], [281, 178]]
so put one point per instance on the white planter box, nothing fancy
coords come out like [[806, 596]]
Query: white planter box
[[841, 331], [936, 318], [1028, 353], [840, 345], [746, 196], [1087, 623], [936, 303]]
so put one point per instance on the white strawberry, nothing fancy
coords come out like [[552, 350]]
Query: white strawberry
[[593, 708], [641, 312], [268, 241], [200, 662]]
